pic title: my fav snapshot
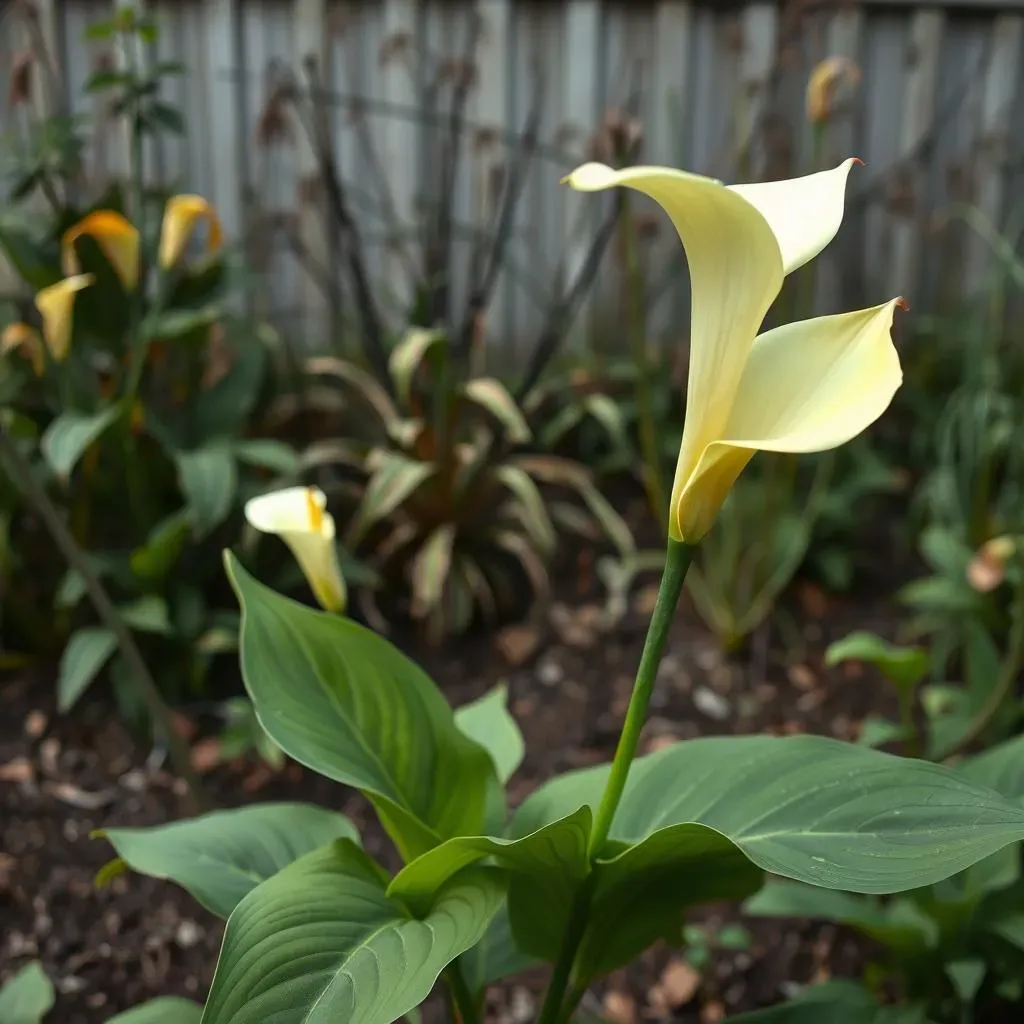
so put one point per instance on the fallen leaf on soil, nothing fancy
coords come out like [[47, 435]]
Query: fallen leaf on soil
[[619, 1008], [813, 600], [801, 676], [18, 770], [183, 725], [82, 798], [645, 600], [206, 754], [660, 743], [712, 1013], [49, 751], [35, 724], [677, 986], [517, 644]]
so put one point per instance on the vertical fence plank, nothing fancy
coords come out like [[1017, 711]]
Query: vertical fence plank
[[311, 51], [991, 151], [583, 95], [841, 139], [922, 67], [668, 145], [489, 152], [757, 63], [399, 134]]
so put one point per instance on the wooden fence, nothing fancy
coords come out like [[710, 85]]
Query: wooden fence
[[937, 116]]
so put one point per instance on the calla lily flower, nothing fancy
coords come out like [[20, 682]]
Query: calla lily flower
[[22, 337], [56, 306], [804, 387], [297, 515], [117, 237], [180, 218]]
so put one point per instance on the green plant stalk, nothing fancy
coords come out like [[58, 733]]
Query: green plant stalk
[[557, 1007], [463, 1004], [677, 562], [137, 343], [654, 483], [1009, 670], [160, 713]]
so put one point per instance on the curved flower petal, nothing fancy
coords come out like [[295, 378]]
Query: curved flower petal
[[807, 387], [56, 306], [735, 274], [22, 337], [180, 217], [805, 213], [117, 238], [297, 515]]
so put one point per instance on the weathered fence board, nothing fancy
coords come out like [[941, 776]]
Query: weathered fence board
[[719, 89]]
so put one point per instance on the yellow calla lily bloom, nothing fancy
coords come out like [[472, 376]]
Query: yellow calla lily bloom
[[56, 306], [117, 237], [22, 337], [297, 515], [180, 218], [804, 387]]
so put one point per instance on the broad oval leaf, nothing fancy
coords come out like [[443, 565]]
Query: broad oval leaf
[[267, 453], [27, 997], [488, 722], [904, 667], [806, 807], [346, 703], [394, 480], [222, 856], [554, 858], [491, 395], [87, 651], [163, 1010], [408, 354], [70, 434], [495, 956], [320, 942], [155, 559], [1000, 768], [208, 478]]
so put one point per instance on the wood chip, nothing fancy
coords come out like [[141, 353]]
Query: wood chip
[[802, 677], [517, 644], [676, 987], [35, 724], [205, 754], [18, 770], [619, 1008]]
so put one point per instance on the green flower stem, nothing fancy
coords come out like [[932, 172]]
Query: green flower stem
[[677, 562], [464, 1006], [163, 723], [557, 1007]]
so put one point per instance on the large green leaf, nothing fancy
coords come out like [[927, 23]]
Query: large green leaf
[[221, 856], [639, 897], [820, 811], [208, 478], [806, 807], [70, 434], [897, 925], [553, 860], [488, 722], [164, 1010], [346, 703], [320, 942], [834, 1002], [27, 997], [1000, 768], [495, 956], [87, 651], [904, 667]]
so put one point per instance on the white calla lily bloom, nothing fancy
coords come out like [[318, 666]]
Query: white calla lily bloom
[[298, 516], [803, 387]]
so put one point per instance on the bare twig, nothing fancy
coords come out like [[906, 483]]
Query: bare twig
[[159, 712], [438, 254], [373, 329], [512, 191]]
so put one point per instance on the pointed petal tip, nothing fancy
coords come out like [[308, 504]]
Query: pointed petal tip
[[857, 160], [902, 303]]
